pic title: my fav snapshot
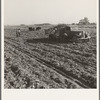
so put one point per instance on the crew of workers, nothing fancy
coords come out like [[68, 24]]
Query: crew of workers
[[84, 35]]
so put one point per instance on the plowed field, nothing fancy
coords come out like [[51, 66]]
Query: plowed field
[[33, 61]]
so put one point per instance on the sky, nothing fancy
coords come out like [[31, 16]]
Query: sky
[[48, 11]]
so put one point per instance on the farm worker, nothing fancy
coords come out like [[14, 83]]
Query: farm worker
[[86, 35], [17, 32], [80, 35]]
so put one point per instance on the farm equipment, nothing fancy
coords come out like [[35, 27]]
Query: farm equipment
[[63, 32]]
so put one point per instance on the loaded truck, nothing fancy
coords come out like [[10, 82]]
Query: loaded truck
[[64, 32]]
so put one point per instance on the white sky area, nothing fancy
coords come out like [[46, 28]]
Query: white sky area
[[48, 11]]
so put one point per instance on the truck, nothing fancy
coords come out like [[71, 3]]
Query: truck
[[64, 33]]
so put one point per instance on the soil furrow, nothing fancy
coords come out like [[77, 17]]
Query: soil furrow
[[66, 54], [24, 61], [48, 64]]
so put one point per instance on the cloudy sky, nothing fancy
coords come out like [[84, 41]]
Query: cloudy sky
[[48, 11]]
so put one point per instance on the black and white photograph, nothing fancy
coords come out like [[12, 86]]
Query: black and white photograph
[[50, 44]]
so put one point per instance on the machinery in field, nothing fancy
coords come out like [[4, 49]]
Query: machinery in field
[[64, 32]]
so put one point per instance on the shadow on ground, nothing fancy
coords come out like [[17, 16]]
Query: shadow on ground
[[46, 40]]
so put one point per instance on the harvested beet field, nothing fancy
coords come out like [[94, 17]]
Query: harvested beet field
[[32, 61]]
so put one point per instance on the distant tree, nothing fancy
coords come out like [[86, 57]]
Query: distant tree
[[73, 24], [22, 24], [84, 21], [93, 23]]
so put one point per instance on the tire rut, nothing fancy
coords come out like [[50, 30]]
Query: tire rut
[[48, 64]]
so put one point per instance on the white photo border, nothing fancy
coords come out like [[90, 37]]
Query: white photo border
[[52, 94]]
